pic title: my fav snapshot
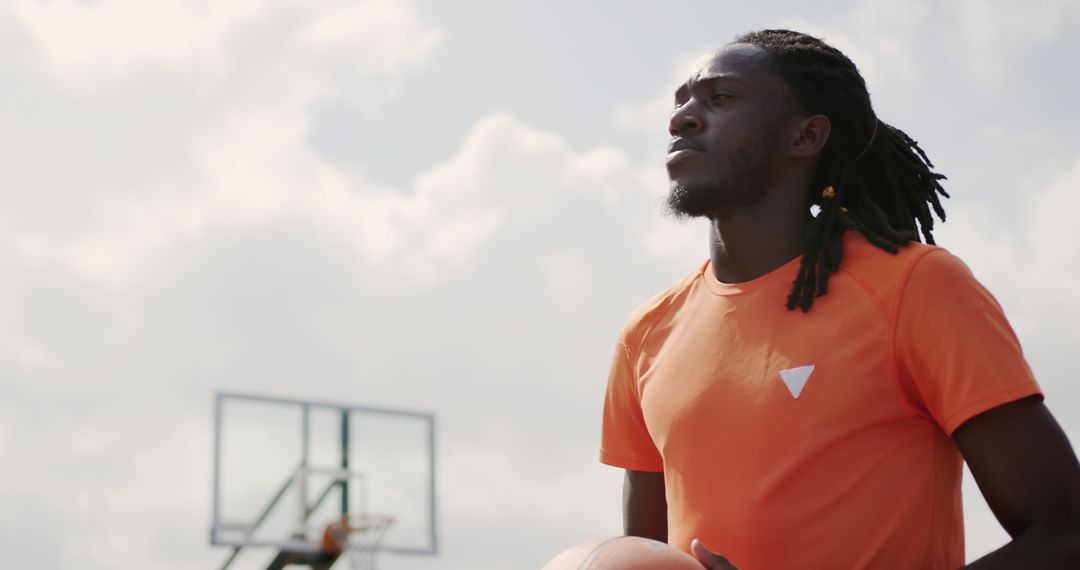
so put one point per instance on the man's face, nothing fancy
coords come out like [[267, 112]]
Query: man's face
[[728, 132]]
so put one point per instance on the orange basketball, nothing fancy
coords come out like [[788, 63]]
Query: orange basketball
[[623, 553], [335, 536]]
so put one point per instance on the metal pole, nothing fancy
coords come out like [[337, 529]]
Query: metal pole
[[217, 468], [431, 490], [302, 487], [344, 462]]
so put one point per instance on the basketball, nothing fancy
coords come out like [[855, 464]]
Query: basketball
[[335, 536], [623, 553]]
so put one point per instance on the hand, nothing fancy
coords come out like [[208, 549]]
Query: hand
[[709, 559]]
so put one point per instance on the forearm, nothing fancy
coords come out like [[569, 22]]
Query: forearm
[[645, 505], [1035, 549], [655, 530]]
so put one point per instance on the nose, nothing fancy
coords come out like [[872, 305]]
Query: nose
[[683, 119]]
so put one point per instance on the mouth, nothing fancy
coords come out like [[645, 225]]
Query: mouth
[[681, 154], [680, 149]]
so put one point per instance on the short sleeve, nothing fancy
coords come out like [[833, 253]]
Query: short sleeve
[[625, 440], [954, 347]]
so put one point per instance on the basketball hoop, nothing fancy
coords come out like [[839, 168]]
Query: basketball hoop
[[319, 481], [359, 537]]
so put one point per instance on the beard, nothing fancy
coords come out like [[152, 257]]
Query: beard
[[743, 182]]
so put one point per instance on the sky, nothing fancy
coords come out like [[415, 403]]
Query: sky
[[446, 207]]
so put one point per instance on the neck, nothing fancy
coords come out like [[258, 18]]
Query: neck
[[746, 243]]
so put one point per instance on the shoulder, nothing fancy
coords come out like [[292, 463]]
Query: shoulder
[[878, 268], [646, 315], [883, 275], [910, 275]]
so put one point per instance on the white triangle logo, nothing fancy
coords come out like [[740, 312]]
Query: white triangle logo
[[795, 378]]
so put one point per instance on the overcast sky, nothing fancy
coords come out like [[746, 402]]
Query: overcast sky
[[442, 206]]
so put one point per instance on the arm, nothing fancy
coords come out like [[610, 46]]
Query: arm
[[645, 505], [1029, 475], [645, 515]]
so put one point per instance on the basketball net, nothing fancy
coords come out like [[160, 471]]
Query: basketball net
[[363, 539]]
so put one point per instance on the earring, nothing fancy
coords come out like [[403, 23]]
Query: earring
[[829, 192]]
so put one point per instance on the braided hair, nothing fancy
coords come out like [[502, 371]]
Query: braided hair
[[870, 177]]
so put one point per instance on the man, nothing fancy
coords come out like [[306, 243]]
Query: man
[[789, 428]]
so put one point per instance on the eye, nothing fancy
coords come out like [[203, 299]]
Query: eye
[[719, 97]]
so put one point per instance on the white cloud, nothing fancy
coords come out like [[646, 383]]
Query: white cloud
[[1049, 226], [223, 145], [96, 41], [992, 33], [88, 45], [877, 36]]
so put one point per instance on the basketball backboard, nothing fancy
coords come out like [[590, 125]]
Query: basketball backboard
[[285, 469]]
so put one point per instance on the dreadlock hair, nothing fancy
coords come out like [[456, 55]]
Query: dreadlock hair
[[875, 178]]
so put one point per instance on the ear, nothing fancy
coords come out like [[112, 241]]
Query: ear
[[811, 134]]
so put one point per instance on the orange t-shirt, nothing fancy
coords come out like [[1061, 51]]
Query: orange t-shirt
[[821, 439]]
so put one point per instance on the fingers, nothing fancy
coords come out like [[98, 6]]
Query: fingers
[[709, 559]]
